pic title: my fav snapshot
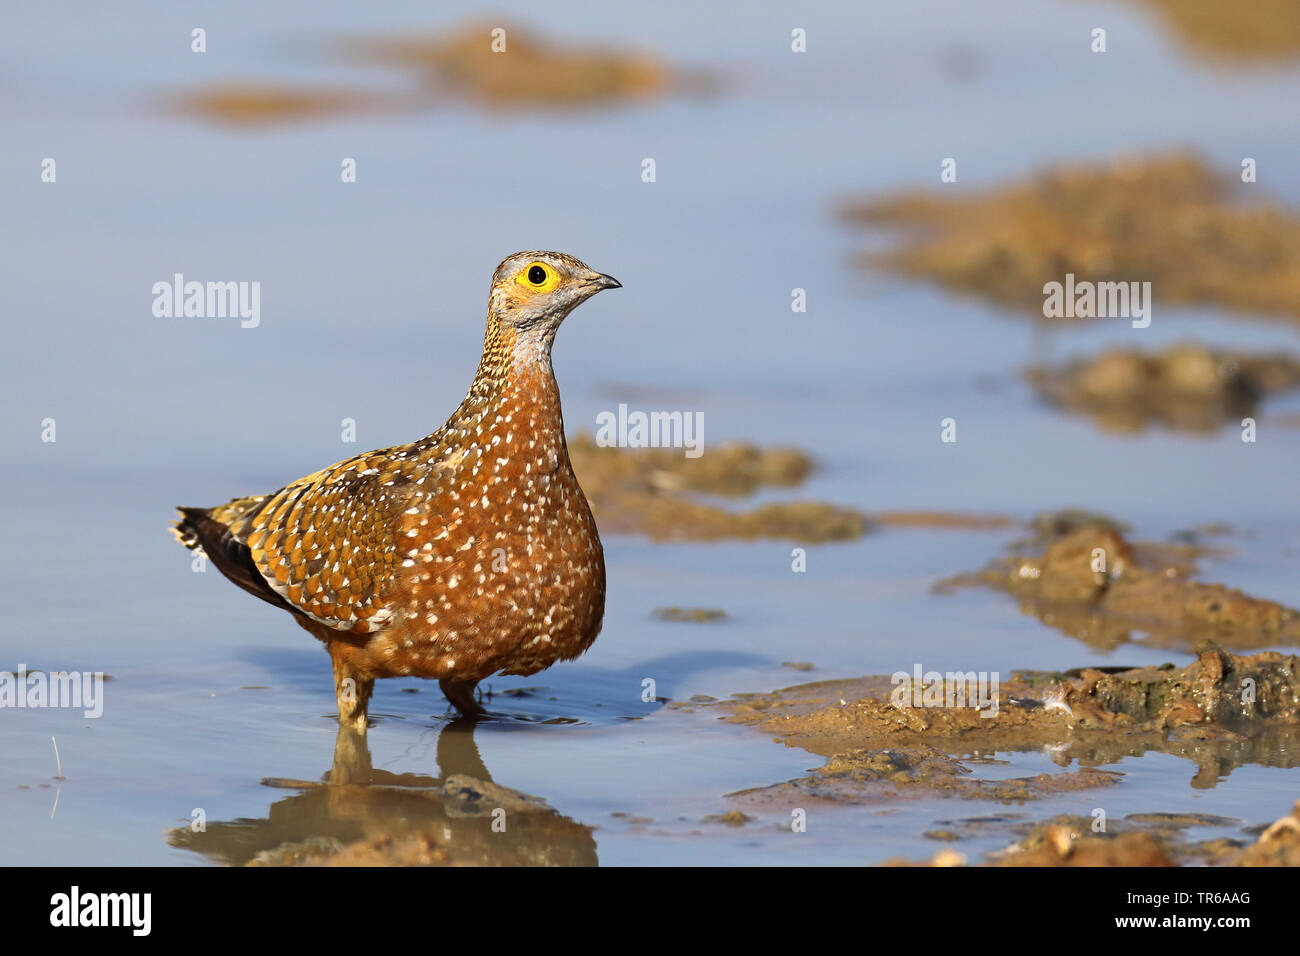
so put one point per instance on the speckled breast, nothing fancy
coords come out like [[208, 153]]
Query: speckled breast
[[502, 567]]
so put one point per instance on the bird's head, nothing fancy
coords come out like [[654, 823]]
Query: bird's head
[[535, 291]]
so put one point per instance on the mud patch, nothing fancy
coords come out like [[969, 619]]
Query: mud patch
[[1089, 582], [528, 72], [854, 722], [1222, 702], [661, 493], [657, 491], [886, 775], [252, 103], [1154, 839], [1187, 388], [1261, 32], [1278, 845], [1219, 712], [458, 65], [1168, 220], [1076, 841], [692, 615]]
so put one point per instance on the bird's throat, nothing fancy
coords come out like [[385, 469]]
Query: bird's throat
[[514, 374]]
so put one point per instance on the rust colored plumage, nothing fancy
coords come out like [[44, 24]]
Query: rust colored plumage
[[467, 553]]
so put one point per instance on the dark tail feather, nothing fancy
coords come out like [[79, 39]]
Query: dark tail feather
[[186, 529], [197, 529]]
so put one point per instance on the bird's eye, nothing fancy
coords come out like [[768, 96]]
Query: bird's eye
[[538, 278]]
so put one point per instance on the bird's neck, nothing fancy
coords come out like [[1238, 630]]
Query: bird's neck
[[514, 371]]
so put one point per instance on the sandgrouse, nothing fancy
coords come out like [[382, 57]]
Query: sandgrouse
[[467, 553]]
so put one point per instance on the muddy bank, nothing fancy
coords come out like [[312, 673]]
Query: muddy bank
[[656, 492], [1154, 839], [253, 103], [884, 740], [1087, 580], [1262, 32], [1186, 388], [508, 66], [513, 69], [691, 615], [661, 493], [1198, 236]]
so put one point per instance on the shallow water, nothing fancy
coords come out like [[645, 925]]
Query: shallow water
[[373, 298]]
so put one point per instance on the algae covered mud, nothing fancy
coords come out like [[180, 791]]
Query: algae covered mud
[[945, 571]]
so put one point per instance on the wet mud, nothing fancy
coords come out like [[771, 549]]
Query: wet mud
[[1263, 32], [692, 615], [249, 103], [886, 739], [516, 69], [1083, 577], [1154, 839], [1189, 388], [1200, 237], [661, 493], [525, 70]]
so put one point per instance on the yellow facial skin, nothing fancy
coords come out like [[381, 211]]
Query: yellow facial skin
[[549, 278]]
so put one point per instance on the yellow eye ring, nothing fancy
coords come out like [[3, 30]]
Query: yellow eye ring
[[538, 277]]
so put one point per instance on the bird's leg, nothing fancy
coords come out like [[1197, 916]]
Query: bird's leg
[[461, 695], [353, 693]]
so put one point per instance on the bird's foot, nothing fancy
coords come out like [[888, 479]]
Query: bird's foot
[[461, 695]]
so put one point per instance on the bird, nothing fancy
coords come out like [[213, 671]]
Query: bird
[[467, 553]]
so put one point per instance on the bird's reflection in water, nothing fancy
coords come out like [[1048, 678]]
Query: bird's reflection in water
[[365, 817]]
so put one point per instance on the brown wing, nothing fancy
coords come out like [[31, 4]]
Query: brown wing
[[327, 543]]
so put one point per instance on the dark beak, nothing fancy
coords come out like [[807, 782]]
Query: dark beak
[[603, 281]]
